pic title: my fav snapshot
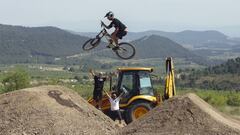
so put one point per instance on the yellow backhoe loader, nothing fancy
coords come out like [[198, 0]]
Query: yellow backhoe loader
[[140, 96]]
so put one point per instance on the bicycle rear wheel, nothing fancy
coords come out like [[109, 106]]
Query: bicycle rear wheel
[[125, 51], [91, 43]]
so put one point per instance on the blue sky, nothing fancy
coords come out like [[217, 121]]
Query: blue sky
[[138, 15]]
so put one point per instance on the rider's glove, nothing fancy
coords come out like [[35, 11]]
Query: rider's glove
[[102, 24]]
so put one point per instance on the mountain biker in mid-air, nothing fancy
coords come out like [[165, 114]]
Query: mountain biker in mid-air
[[123, 50], [120, 28]]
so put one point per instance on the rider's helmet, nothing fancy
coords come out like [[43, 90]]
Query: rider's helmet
[[109, 14]]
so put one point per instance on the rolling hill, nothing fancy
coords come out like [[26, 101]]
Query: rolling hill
[[188, 38], [155, 46], [21, 44], [158, 46], [46, 44], [209, 44]]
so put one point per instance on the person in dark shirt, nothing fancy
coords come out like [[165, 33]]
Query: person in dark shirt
[[120, 28], [98, 88]]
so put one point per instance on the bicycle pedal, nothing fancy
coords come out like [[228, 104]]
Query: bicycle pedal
[[115, 48]]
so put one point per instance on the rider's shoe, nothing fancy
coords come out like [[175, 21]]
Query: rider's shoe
[[108, 46], [115, 48]]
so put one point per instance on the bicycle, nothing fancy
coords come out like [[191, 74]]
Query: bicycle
[[123, 50]]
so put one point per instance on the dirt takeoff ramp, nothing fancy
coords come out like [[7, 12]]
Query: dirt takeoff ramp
[[186, 115], [50, 110]]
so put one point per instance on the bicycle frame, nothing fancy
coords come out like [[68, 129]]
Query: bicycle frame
[[104, 33]]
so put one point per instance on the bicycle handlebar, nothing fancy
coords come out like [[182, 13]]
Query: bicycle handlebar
[[103, 24]]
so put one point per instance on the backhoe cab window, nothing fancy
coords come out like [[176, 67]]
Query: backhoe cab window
[[127, 81], [145, 83]]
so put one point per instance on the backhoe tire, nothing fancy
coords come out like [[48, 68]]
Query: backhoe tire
[[136, 110]]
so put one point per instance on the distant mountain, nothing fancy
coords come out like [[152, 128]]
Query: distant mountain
[[183, 36], [196, 39], [49, 44], [236, 38], [24, 44], [155, 46], [87, 34], [209, 44], [188, 38]]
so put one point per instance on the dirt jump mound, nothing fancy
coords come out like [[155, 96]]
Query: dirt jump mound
[[187, 115], [50, 110]]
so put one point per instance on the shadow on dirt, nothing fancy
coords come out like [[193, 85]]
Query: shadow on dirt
[[65, 102]]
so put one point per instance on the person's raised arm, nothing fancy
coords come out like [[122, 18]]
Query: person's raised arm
[[91, 72], [107, 94], [107, 76], [121, 94], [124, 92]]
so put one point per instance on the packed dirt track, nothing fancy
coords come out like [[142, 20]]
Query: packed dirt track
[[56, 110], [50, 110], [185, 115]]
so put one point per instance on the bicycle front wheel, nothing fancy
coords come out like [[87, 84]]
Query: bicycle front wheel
[[125, 51], [91, 43]]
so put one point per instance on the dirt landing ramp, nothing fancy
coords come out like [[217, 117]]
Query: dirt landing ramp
[[187, 115], [50, 110]]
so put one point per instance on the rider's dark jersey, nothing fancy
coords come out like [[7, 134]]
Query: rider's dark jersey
[[117, 24]]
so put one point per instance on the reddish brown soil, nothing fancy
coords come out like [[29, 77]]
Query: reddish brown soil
[[187, 115], [50, 110]]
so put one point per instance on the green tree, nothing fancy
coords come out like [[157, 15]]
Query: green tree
[[72, 69], [17, 79]]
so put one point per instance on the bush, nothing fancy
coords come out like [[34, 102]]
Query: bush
[[85, 77], [85, 90], [233, 100], [17, 79], [213, 98], [1, 89], [78, 78]]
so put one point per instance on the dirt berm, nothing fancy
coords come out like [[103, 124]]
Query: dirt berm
[[50, 110], [187, 115]]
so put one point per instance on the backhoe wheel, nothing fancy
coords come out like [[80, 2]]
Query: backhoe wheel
[[137, 110]]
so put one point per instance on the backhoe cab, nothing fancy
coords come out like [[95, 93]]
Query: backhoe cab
[[139, 97]]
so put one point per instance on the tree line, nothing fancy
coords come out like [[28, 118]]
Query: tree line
[[220, 77]]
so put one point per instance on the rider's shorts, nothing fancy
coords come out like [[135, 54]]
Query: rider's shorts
[[120, 34]]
